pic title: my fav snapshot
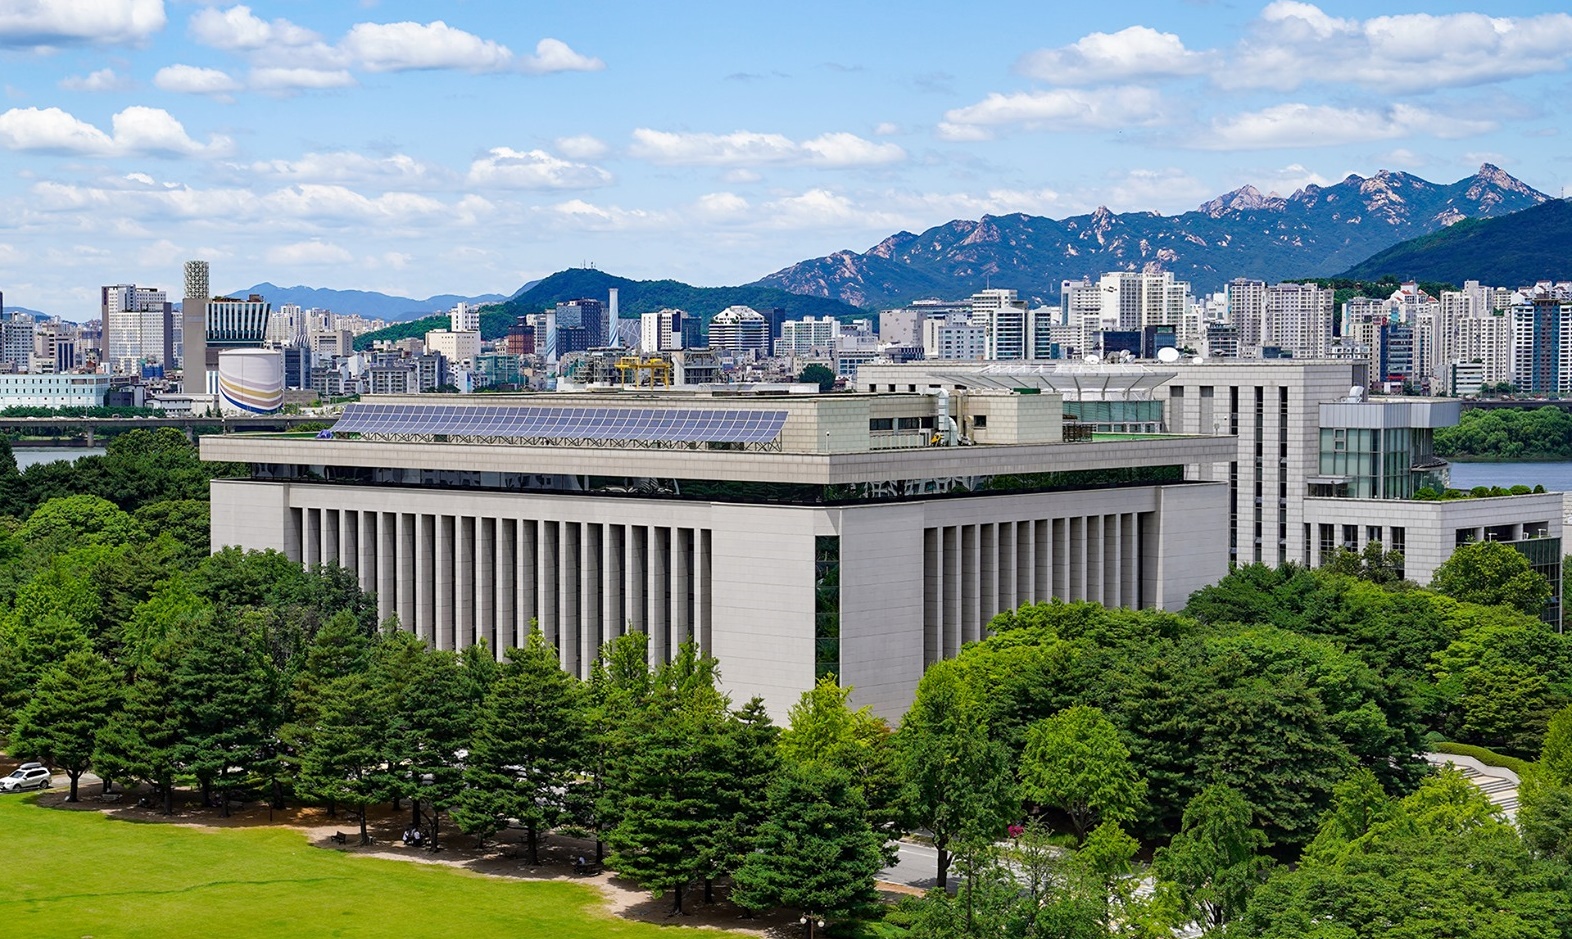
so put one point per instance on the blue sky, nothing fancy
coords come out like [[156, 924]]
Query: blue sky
[[419, 148]]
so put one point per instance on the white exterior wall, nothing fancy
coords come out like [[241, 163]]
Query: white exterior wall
[[918, 579]]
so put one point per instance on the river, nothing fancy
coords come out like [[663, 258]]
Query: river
[[1557, 477], [29, 456]]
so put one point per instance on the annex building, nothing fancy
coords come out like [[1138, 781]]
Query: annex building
[[789, 535]]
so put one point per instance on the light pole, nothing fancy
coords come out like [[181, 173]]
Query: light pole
[[808, 922]]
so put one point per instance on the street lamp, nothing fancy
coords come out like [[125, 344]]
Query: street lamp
[[808, 922]]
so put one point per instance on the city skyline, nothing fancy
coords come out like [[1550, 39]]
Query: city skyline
[[385, 148]]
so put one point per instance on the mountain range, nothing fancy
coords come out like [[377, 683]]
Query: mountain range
[[634, 297], [367, 303], [1317, 231], [1510, 251]]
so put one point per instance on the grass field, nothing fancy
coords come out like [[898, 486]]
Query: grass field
[[80, 873]]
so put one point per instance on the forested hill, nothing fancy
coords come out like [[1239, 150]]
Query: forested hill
[[1507, 434], [634, 297], [1510, 251]]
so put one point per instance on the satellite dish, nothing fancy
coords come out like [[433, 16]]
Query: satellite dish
[[1198, 359], [1168, 354], [1092, 359], [1356, 393]]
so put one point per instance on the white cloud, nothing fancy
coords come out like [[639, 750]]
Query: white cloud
[[348, 167], [310, 252], [746, 148], [238, 29], [284, 80], [886, 129], [397, 47], [135, 130], [1311, 125], [1056, 109], [1293, 44], [581, 147], [505, 168], [1132, 53], [554, 55], [191, 80], [63, 22], [105, 79], [741, 175], [591, 217]]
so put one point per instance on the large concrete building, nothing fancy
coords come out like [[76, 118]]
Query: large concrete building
[[791, 536]]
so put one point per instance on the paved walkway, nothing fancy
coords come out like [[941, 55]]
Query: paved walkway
[[1497, 782]]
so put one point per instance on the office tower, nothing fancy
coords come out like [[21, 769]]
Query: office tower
[[1542, 339], [585, 314], [1297, 318], [661, 331], [464, 318], [1004, 322], [193, 327], [804, 336], [1246, 308], [138, 326], [740, 329]]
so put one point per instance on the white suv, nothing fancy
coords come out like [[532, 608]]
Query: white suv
[[27, 776]]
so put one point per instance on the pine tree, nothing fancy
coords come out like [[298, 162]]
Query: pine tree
[[431, 722], [528, 743], [142, 740], [227, 706], [752, 761], [344, 746], [60, 722], [620, 684], [815, 851]]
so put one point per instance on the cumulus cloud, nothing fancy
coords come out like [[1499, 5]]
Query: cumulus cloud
[[310, 252], [1294, 43], [135, 130], [581, 147], [554, 55], [287, 80], [238, 29], [349, 167], [505, 168], [1059, 108], [191, 80], [746, 148], [1133, 53], [1312, 125], [67, 22], [105, 79], [407, 46]]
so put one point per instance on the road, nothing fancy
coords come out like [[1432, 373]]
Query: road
[[917, 866]]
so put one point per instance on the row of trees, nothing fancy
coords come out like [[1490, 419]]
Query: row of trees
[[1508, 434]]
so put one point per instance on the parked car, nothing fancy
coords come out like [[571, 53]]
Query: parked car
[[27, 776]]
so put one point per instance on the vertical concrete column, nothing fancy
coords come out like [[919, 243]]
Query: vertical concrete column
[[1113, 566], [1042, 560], [349, 540], [366, 542], [505, 585], [425, 577], [546, 582], [987, 575], [1129, 561], [464, 620], [311, 540], [1007, 589], [932, 594], [1025, 565], [1077, 585], [681, 579], [655, 594], [528, 575], [407, 578], [590, 571], [387, 565], [568, 596], [611, 622], [635, 579], [952, 592], [329, 530], [971, 561], [444, 582], [486, 582]]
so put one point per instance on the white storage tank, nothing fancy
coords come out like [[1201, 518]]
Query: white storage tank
[[251, 381]]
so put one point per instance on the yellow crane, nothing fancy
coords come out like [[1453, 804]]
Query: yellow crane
[[653, 372]]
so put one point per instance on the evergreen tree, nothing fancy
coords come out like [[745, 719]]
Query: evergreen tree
[[60, 722], [957, 781], [815, 851], [619, 687], [143, 739], [669, 787], [526, 749], [227, 707], [343, 752], [752, 761], [428, 697]]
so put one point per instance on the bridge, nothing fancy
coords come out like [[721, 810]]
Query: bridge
[[85, 429]]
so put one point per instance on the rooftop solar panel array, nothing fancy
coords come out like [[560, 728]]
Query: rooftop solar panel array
[[602, 425]]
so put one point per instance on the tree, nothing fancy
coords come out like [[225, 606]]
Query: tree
[[143, 740], [1076, 762], [60, 722], [1214, 863], [668, 781], [820, 375], [344, 751], [80, 519], [1555, 756], [814, 851], [1492, 574], [957, 780], [619, 686], [430, 723], [528, 743]]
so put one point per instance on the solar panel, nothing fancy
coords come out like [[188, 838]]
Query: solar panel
[[601, 425]]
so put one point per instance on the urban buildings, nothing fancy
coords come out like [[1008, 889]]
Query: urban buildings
[[740, 329], [138, 334], [791, 536]]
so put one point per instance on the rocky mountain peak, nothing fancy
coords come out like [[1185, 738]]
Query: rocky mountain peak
[[1246, 198]]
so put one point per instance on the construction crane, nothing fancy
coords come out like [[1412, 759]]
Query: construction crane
[[653, 372]]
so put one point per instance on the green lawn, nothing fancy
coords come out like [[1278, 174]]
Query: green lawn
[[76, 873]]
